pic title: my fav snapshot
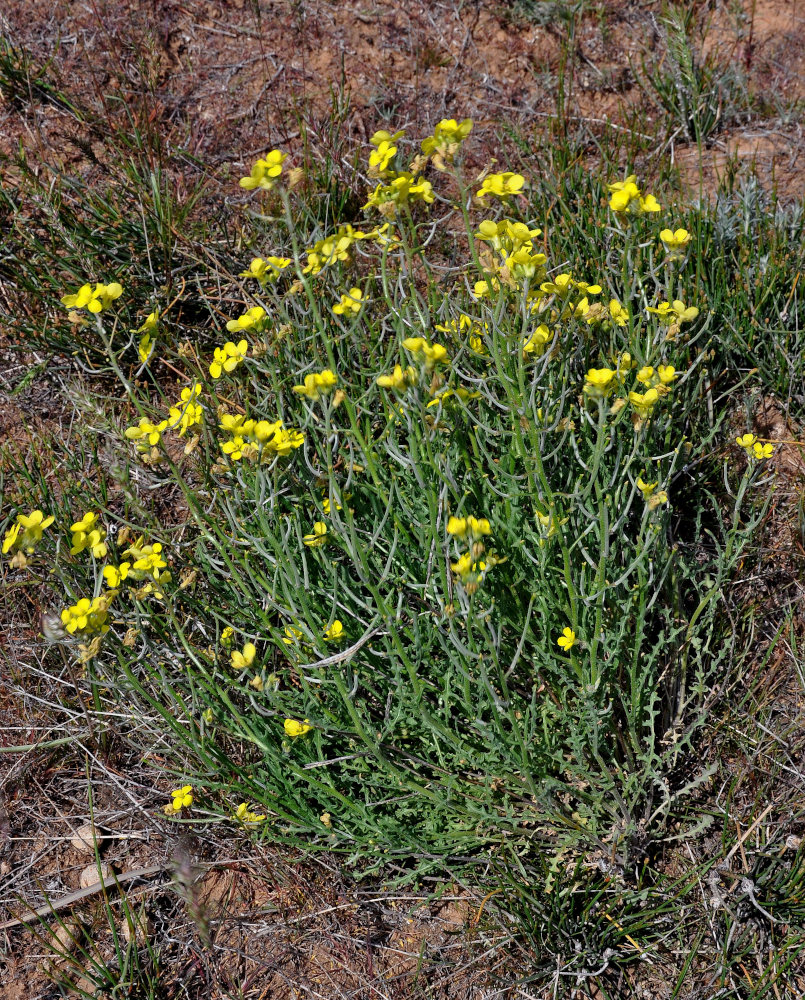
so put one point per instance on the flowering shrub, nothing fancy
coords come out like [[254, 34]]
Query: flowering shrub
[[428, 572]]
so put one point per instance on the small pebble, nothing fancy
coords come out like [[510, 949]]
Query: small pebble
[[89, 876], [83, 839]]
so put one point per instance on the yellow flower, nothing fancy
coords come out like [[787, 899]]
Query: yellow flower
[[627, 197], [245, 815], [548, 525], [228, 357], [151, 323], [538, 341], [245, 658], [146, 434], [10, 538], [645, 375], [401, 190], [318, 537], [675, 241], [266, 270], [265, 172], [327, 506], [620, 316], [475, 527], [500, 185], [432, 355], [447, 137], [187, 414], [351, 302], [470, 572], [644, 403], [459, 391], [182, 798], [252, 319], [294, 728], [600, 382], [383, 136], [88, 616], [567, 639], [115, 575], [667, 374], [317, 384], [335, 631], [674, 312], [145, 348], [87, 536], [657, 499], [381, 157], [292, 635], [754, 448], [399, 380], [646, 488], [463, 323], [26, 534], [148, 561], [93, 300]]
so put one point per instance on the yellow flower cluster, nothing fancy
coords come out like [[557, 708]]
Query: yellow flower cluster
[[228, 357], [501, 186], [651, 495], [446, 141], [146, 433], [548, 525], [241, 659], [600, 383], [427, 354], [754, 448], [470, 568], [337, 247], [88, 534], [399, 380], [384, 152], [148, 330], [265, 172], [145, 564], [265, 270], [475, 331], [251, 439], [403, 189], [88, 616], [187, 414], [246, 816], [316, 385], [675, 241], [293, 728], [181, 798], [318, 536], [517, 260], [350, 302], [95, 299], [627, 197], [25, 534]]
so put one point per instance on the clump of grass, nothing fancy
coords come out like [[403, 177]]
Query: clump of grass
[[701, 94]]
